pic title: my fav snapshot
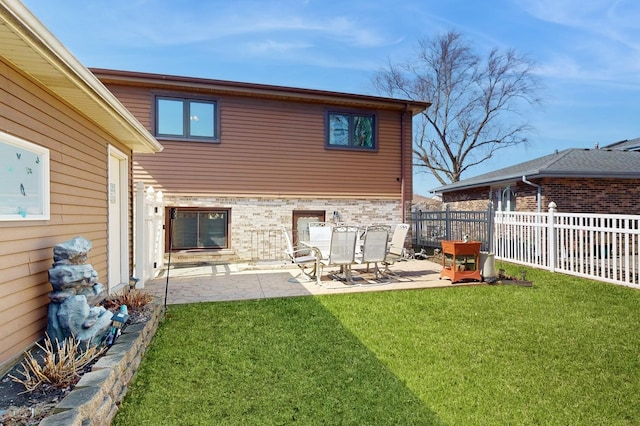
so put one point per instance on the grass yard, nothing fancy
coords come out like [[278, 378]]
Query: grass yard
[[566, 351]]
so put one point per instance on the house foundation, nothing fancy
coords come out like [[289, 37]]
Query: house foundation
[[255, 224]]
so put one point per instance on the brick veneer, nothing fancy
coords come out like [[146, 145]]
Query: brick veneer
[[248, 214], [580, 195]]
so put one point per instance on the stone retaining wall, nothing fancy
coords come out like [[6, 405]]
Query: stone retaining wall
[[95, 399]]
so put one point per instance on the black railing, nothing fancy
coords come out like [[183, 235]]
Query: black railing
[[431, 227]]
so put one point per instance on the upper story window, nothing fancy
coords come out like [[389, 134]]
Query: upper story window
[[351, 131], [190, 119]]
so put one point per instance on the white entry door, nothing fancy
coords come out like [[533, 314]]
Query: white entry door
[[118, 251]]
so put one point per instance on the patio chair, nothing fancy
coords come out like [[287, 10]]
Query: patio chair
[[304, 258], [374, 248], [320, 237], [342, 250], [396, 251]]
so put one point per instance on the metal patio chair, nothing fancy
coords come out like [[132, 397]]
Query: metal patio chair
[[304, 258], [396, 251], [374, 248], [342, 250], [320, 237]]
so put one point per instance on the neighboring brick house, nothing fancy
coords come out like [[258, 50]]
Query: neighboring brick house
[[65, 162], [600, 180], [422, 203], [244, 158]]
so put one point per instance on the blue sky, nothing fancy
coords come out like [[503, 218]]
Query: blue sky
[[587, 51]]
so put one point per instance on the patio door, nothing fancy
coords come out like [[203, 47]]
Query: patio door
[[301, 220]]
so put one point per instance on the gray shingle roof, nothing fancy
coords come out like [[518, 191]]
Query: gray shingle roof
[[574, 162], [625, 145]]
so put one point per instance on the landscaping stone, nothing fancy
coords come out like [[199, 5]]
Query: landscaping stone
[[74, 308], [73, 251]]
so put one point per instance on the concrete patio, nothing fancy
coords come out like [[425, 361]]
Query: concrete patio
[[209, 282]]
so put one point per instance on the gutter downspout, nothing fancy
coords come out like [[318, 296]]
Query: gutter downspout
[[539, 193], [403, 198]]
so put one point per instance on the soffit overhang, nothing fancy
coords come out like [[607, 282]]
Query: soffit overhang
[[29, 47], [264, 91]]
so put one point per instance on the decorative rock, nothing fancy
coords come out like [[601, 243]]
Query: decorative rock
[[72, 312], [72, 252], [73, 315], [60, 296], [95, 294], [65, 276], [94, 315], [55, 332], [99, 289], [89, 323], [74, 309]]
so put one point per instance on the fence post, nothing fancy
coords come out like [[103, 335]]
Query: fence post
[[490, 219], [140, 248], [414, 220], [551, 240], [447, 221], [419, 228], [156, 234]]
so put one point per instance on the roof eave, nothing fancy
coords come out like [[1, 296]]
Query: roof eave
[[30, 47], [503, 180], [260, 90]]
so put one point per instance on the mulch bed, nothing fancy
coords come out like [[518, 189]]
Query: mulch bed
[[20, 407]]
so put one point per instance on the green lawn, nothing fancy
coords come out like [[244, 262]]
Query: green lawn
[[566, 351]]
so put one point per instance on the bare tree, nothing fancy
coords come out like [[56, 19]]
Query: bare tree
[[476, 102]]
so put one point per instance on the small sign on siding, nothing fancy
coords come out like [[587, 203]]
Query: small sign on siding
[[112, 193]]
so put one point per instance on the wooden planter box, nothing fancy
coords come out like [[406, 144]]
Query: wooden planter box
[[461, 261]]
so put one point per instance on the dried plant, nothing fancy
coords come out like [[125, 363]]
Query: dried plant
[[59, 368], [132, 298], [21, 416]]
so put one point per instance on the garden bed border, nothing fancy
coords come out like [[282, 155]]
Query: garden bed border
[[96, 397]]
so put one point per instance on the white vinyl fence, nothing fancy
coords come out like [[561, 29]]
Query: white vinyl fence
[[603, 247], [148, 233]]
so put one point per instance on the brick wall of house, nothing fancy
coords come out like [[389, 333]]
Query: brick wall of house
[[253, 219], [615, 196], [527, 198], [470, 199], [580, 195]]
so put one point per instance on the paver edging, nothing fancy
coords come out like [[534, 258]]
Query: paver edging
[[98, 394]]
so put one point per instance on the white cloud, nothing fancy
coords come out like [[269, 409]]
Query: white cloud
[[598, 41], [615, 21], [160, 25], [268, 47]]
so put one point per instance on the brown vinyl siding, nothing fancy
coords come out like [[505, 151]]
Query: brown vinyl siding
[[78, 197], [271, 147]]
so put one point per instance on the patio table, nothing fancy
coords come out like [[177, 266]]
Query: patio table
[[322, 246]]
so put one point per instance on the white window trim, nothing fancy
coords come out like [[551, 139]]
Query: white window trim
[[9, 211]]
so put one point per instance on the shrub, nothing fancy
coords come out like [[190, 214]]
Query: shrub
[[133, 299], [59, 368]]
